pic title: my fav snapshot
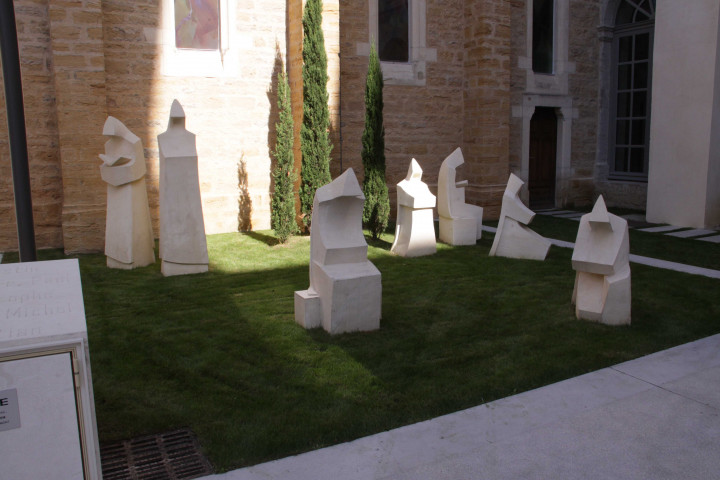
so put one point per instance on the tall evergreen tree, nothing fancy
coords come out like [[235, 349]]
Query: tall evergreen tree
[[377, 205], [314, 136], [282, 206]]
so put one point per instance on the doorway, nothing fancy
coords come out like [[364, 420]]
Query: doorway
[[542, 158]]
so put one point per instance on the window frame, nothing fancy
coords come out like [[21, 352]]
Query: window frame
[[631, 30], [553, 52], [187, 62], [412, 72]]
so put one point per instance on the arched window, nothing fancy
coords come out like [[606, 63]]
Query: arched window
[[631, 90], [393, 31], [543, 36]]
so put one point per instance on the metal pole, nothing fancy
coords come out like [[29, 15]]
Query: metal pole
[[16, 132]]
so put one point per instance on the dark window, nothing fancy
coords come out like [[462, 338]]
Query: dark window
[[632, 67], [543, 35], [393, 33], [197, 24]]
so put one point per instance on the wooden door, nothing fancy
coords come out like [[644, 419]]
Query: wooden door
[[543, 151]]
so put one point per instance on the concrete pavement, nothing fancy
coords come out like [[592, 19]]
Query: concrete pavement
[[656, 417]]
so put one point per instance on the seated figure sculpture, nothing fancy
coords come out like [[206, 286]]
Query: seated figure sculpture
[[129, 239], [513, 238], [183, 246], [460, 222], [601, 259], [345, 291], [415, 229]]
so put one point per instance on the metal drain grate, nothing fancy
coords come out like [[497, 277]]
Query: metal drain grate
[[167, 456]]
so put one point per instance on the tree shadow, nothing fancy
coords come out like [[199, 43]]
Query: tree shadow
[[244, 199], [261, 237]]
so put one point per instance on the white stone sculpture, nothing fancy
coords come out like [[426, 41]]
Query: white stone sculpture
[[601, 259], [345, 291], [513, 238], [415, 228], [460, 222], [183, 246], [129, 239]]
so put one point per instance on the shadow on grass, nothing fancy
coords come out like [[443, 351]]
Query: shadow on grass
[[220, 352], [269, 240]]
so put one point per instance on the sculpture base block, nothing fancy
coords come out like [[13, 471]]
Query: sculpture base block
[[351, 297], [170, 269], [519, 241], [112, 263], [308, 309], [604, 299], [459, 231], [417, 237]]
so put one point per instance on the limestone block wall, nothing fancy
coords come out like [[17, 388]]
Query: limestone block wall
[[583, 85], [486, 97], [462, 103], [83, 60], [76, 36], [42, 131], [231, 109]]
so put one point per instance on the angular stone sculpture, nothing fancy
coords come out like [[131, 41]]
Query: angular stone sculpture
[[601, 259], [415, 229], [345, 291], [460, 222], [513, 238], [129, 239], [183, 247]]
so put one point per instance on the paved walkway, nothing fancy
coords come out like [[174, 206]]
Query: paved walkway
[[638, 222], [656, 417]]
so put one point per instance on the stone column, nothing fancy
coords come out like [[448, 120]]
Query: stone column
[[487, 49], [684, 177], [76, 35]]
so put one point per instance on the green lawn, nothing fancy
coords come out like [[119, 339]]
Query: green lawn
[[220, 352]]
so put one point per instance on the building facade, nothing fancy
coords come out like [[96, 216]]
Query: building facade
[[563, 93]]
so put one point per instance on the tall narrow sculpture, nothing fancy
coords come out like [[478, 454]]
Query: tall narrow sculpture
[[129, 240], [345, 291], [513, 237], [415, 229], [460, 223], [183, 247], [602, 260]]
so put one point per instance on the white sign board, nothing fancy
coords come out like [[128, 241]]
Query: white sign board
[[47, 413]]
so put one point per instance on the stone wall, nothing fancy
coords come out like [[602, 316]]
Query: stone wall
[[41, 124], [573, 91], [83, 60], [421, 121], [463, 102], [486, 134], [583, 85]]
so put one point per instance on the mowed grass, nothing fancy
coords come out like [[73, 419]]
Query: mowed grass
[[221, 353]]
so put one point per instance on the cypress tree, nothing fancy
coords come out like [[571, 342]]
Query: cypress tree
[[282, 206], [314, 136], [377, 205]]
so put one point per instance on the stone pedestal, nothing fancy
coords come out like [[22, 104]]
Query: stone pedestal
[[602, 260], [460, 223], [47, 411], [513, 238], [345, 291], [415, 228]]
